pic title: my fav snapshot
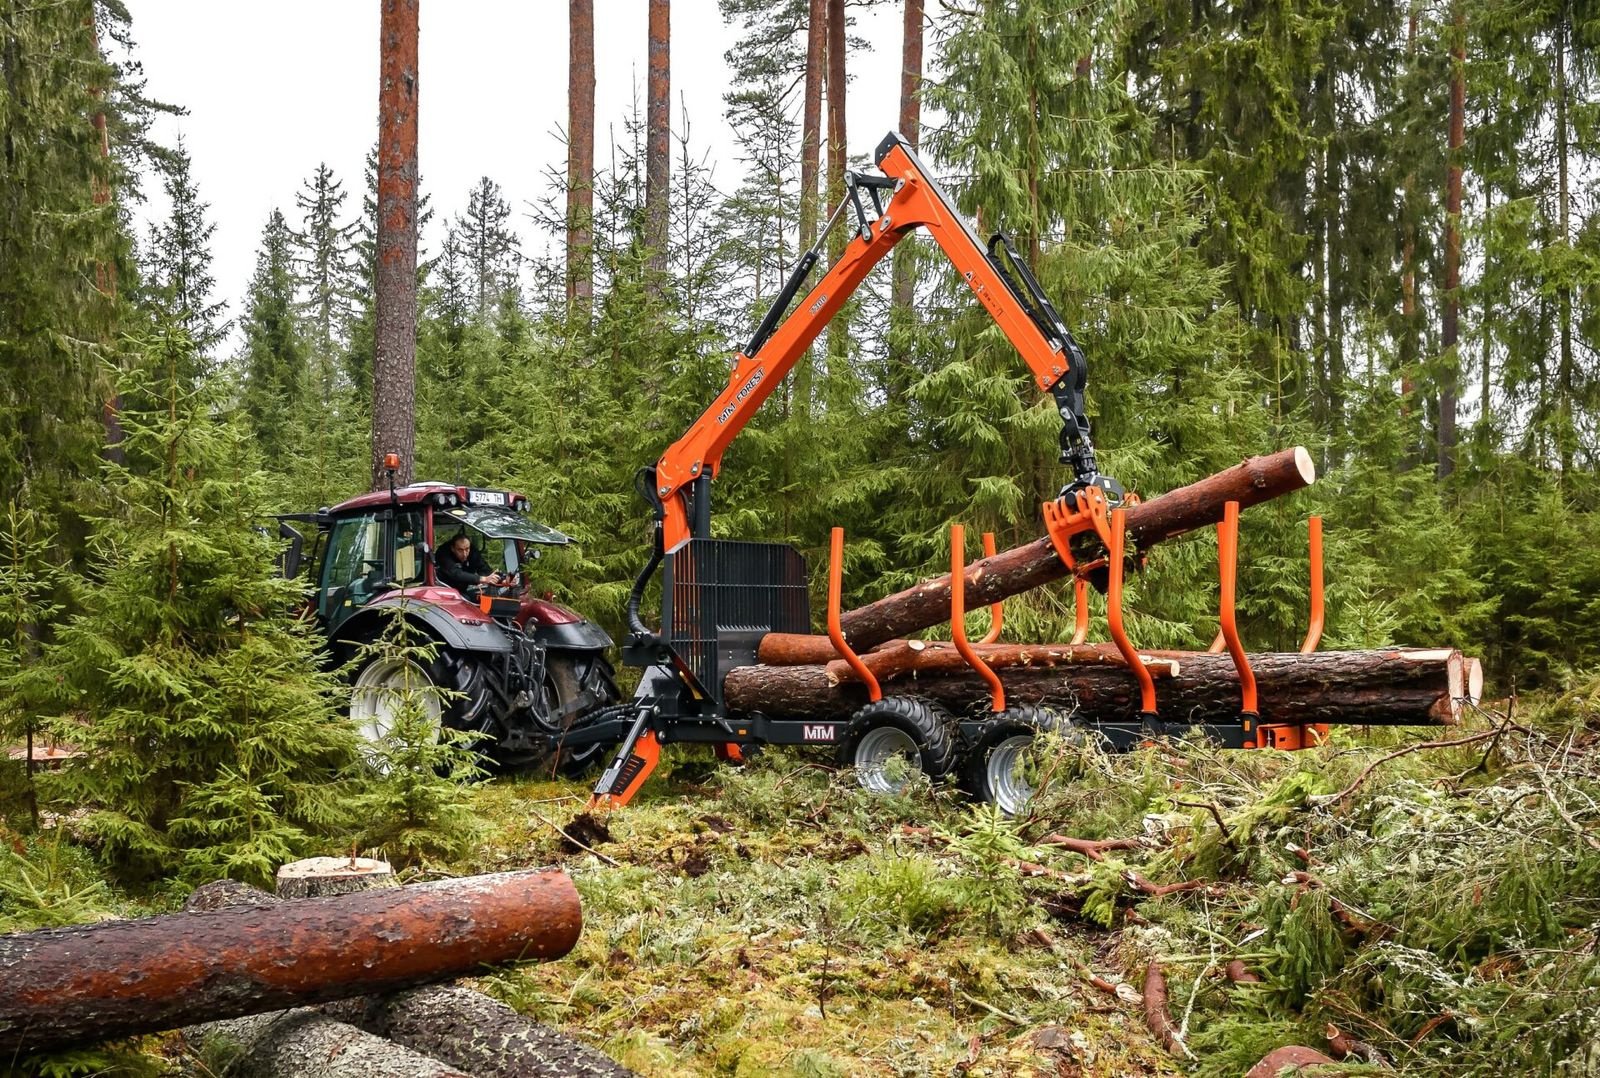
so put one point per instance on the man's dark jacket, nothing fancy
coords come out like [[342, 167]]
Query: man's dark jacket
[[463, 576]]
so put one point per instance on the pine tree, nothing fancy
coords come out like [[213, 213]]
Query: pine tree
[[212, 743], [179, 263]]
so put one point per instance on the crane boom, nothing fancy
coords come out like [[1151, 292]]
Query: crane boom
[[680, 483]]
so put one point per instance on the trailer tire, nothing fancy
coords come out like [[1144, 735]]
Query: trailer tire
[[897, 726], [994, 770]]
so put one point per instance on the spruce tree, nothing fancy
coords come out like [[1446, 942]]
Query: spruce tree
[[213, 746], [274, 358], [179, 263], [325, 264], [30, 582], [490, 250]]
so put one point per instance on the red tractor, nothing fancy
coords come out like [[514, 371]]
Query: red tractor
[[519, 670]]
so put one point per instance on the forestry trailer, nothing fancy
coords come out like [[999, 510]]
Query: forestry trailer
[[735, 663]]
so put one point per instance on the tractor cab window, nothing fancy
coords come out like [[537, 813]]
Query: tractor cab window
[[357, 567], [354, 566]]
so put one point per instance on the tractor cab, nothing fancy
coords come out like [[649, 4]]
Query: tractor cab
[[379, 545]]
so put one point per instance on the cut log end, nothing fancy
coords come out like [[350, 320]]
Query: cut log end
[[1305, 465], [315, 877]]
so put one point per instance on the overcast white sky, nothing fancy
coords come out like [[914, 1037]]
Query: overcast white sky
[[274, 88]]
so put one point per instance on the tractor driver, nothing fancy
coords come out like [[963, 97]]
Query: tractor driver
[[463, 568]]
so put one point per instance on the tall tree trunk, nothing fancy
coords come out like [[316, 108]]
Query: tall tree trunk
[[1565, 433], [580, 154], [395, 281], [1409, 348], [838, 157], [904, 289], [1450, 361], [811, 120], [657, 151], [105, 279]]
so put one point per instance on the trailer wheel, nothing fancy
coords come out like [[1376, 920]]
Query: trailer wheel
[[897, 728], [997, 770]]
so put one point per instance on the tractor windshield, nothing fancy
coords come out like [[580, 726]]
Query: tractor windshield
[[503, 524]]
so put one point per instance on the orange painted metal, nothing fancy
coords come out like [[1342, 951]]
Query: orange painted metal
[[958, 619], [1314, 633], [1080, 610], [997, 614], [646, 754], [1119, 636], [1228, 567], [916, 203], [836, 634]]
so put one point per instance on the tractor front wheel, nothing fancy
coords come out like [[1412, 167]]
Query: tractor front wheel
[[889, 739]]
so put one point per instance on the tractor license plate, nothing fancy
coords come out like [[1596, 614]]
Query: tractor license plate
[[486, 497]]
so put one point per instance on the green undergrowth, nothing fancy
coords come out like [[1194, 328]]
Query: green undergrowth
[[1438, 905]]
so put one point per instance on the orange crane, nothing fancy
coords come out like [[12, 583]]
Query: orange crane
[[721, 596]]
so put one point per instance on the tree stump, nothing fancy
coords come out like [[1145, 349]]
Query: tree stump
[[316, 877]]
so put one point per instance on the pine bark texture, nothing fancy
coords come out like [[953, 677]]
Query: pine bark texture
[[658, 125], [305, 1044], [811, 120], [480, 1035], [580, 154], [1388, 687], [395, 276], [913, 658], [1035, 564], [838, 150], [94, 982]]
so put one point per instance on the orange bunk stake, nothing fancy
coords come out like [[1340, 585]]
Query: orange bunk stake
[[1147, 687], [996, 610], [1227, 564], [958, 618], [1314, 632], [835, 633], [1318, 731], [1080, 610]]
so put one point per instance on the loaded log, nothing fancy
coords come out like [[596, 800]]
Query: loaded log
[[1385, 687], [304, 1044], [1035, 564], [63, 986], [919, 657]]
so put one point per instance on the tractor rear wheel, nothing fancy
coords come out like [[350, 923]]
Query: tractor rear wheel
[[890, 738], [452, 689], [1000, 768]]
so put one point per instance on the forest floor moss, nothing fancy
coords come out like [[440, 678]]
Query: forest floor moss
[[1441, 905]]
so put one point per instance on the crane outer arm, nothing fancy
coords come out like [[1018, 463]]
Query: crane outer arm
[[917, 202]]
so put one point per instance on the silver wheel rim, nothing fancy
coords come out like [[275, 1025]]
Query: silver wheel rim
[[873, 753], [1008, 786], [376, 696]]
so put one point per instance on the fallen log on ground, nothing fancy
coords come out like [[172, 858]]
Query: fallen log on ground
[[481, 1035], [305, 1044], [938, 657], [1034, 564], [1383, 687], [95, 982]]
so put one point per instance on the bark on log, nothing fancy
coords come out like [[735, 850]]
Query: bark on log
[[1034, 564], [317, 877], [94, 982], [917, 658], [1294, 1059], [481, 1035], [305, 1044], [794, 649], [1388, 687]]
